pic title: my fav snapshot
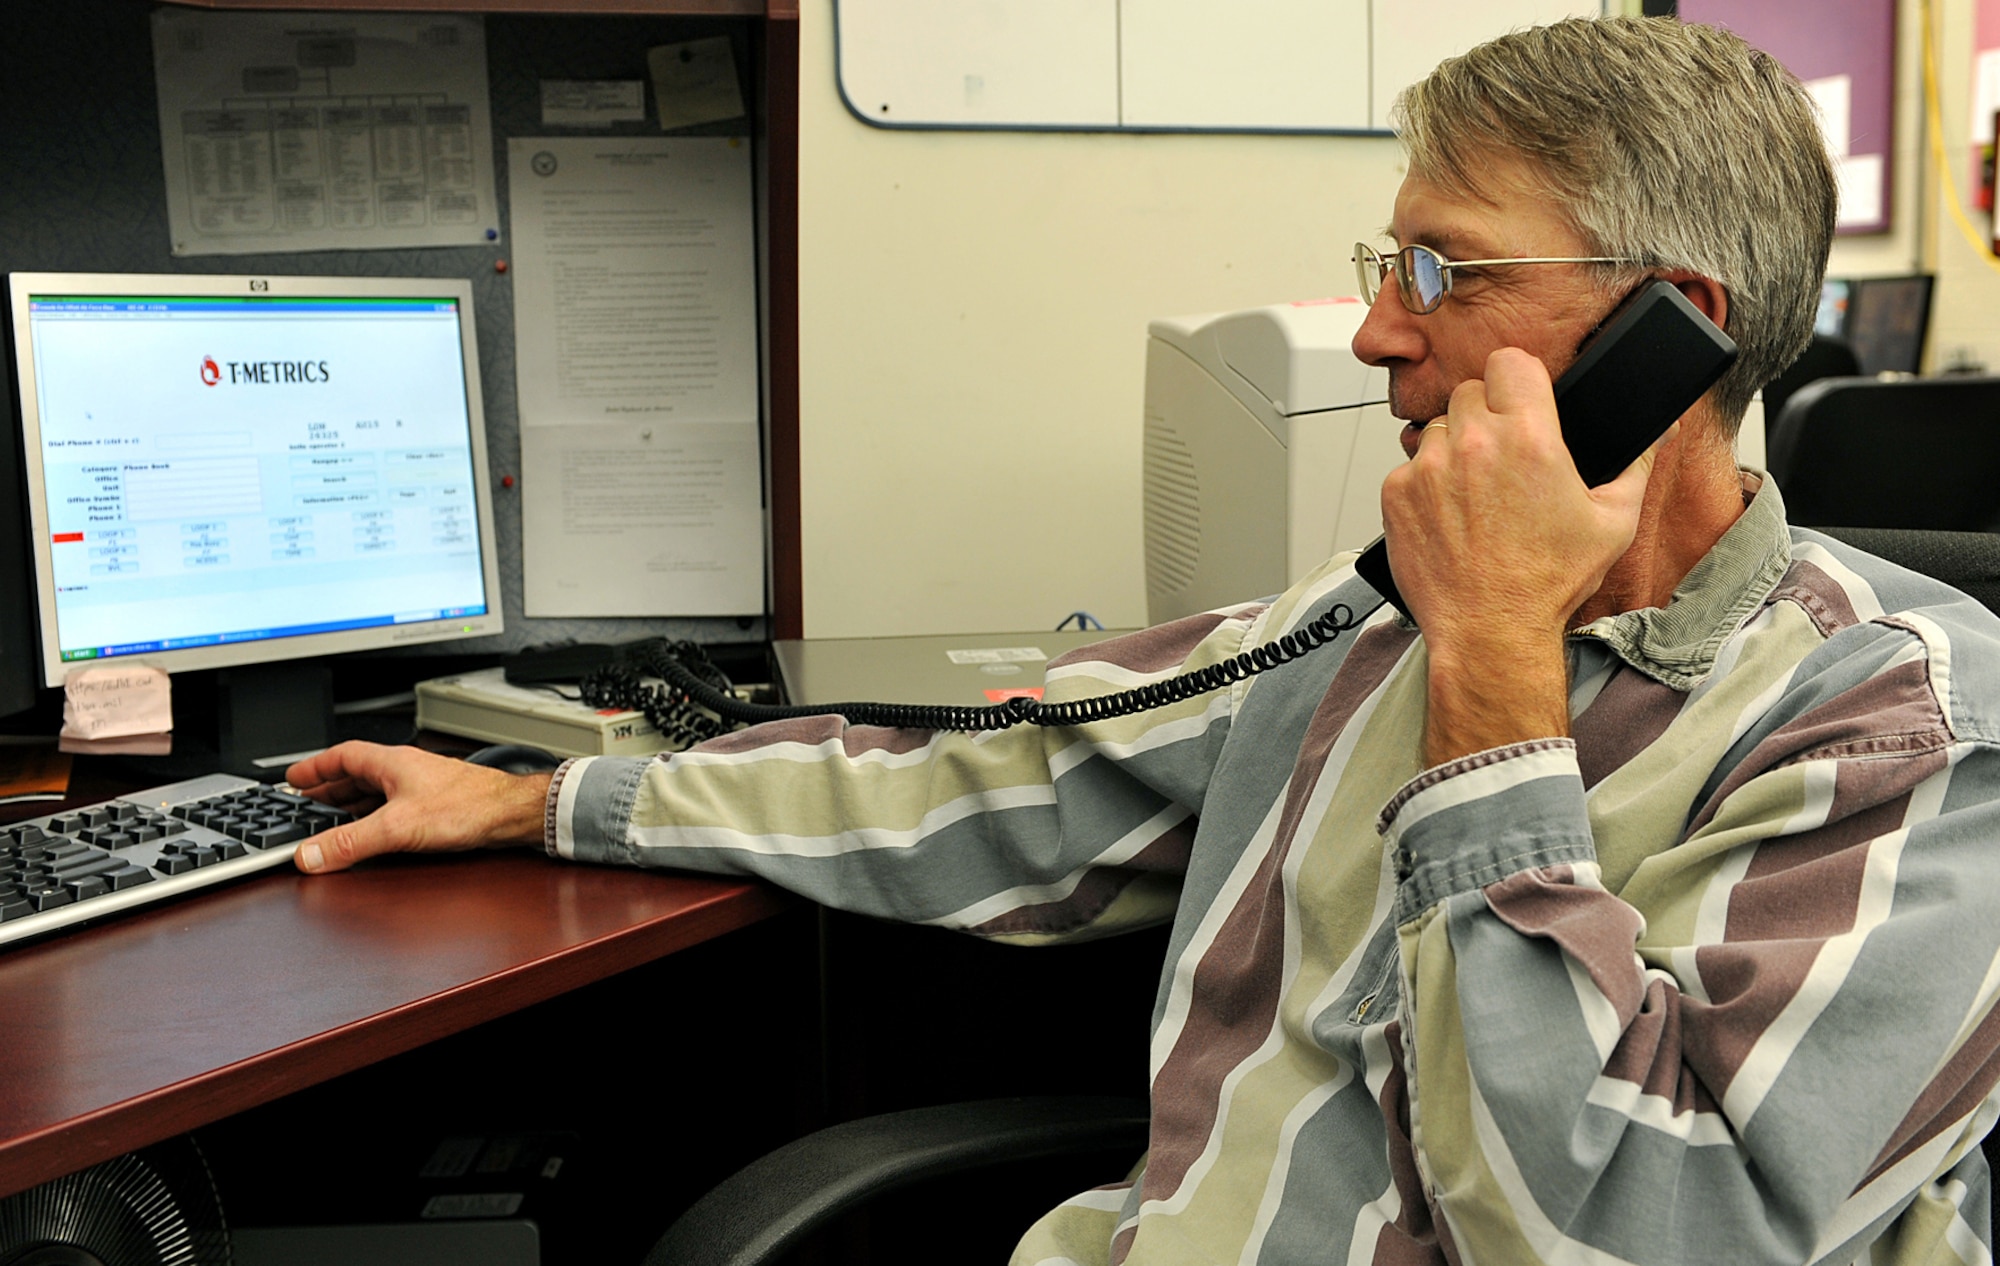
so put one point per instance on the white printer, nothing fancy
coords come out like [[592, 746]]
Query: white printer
[[1266, 446]]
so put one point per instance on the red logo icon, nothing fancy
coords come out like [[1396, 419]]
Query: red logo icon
[[211, 373]]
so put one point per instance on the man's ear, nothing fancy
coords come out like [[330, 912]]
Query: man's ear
[[1704, 293]]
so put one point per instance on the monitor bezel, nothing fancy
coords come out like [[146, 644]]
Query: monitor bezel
[[21, 286], [1860, 287]]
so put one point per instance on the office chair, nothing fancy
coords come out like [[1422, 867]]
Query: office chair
[[769, 1207], [1968, 561], [1908, 453], [1824, 357]]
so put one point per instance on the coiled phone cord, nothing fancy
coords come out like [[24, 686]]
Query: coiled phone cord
[[693, 704]]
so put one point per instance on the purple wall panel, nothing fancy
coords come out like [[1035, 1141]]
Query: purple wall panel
[[1818, 38]]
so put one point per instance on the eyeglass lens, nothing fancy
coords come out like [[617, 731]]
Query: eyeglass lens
[[1421, 274]]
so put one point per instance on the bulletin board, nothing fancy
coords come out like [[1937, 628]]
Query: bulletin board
[[1845, 51], [1985, 99]]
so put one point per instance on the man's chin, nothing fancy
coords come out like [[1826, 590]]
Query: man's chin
[[1415, 414], [1413, 435]]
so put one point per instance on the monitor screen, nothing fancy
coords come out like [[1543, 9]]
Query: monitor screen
[[228, 470], [1887, 318], [1831, 319]]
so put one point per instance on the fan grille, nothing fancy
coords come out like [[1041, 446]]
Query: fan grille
[[153, 1207], [1173, 510]]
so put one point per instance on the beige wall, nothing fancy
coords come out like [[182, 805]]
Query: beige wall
[[972, 313]]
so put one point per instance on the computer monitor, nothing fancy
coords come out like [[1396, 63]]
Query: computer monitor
[[230, 470], [1884, 319], [1831, 318]]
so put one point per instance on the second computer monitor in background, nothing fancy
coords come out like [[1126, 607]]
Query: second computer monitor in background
[[1884, 319]]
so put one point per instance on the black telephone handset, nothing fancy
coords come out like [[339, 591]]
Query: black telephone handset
[[1646, 365]]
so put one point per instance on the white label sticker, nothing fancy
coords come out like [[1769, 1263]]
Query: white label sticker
[[998, 655], [495, 1204]]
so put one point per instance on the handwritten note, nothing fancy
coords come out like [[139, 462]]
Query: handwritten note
[[695, 82], [101, 702]]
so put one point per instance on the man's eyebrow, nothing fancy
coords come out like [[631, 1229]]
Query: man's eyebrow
[[1451, 243]]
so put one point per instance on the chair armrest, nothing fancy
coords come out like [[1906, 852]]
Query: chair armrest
[[766, 1208]]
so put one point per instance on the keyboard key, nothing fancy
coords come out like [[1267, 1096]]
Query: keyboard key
[[81, 867], [123, 811], [202, 854], [15, 907], [173, 864], [127, 876], [230, 850], [146, 834], [87, 887], [49, 897], [29, 835], [95, 817], [272, 836]]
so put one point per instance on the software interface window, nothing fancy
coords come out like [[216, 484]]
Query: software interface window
[[228, 470]]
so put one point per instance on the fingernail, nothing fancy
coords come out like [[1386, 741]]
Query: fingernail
[[309, 856]]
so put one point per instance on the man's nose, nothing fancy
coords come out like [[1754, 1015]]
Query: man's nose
[[1390, 332]]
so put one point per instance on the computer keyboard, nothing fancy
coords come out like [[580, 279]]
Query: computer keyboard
[[81, 864]]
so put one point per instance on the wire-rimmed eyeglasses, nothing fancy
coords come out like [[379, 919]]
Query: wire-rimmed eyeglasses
[[1423, 277]]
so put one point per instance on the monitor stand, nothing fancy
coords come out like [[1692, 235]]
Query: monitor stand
[[264, 712], [242, 721]]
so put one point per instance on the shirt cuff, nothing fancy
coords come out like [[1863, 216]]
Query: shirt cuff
[[588, 814], [1474, 821]]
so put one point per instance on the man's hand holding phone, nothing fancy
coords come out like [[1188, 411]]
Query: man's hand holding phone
[[1495, 541], [1490, 528]]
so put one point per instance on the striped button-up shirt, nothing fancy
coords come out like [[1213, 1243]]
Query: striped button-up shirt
[[1708, 980]]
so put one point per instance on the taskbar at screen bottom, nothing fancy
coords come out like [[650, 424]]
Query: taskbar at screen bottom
[[84, 654]]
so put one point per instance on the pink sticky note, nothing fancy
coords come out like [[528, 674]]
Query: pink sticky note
[[101, 701]]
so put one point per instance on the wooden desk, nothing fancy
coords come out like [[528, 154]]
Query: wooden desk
[[176, 1016]]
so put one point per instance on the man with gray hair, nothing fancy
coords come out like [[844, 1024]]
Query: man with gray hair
[[1637, 909]]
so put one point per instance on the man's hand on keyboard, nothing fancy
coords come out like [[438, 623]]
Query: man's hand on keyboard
[[415, 802]]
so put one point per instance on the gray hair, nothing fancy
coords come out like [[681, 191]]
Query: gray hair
[[1674, 145]]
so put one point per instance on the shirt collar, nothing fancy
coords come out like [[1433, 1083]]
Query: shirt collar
[[1676, 645]]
